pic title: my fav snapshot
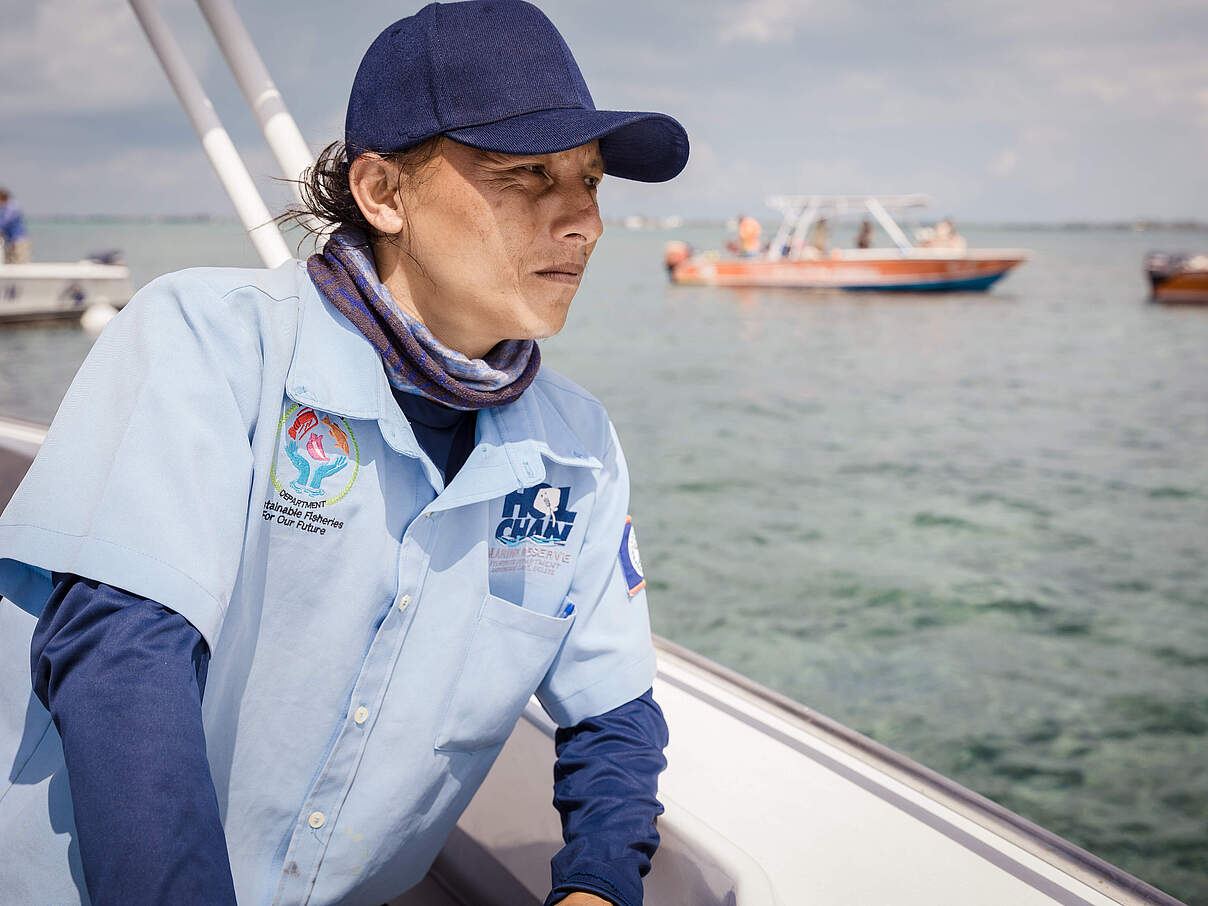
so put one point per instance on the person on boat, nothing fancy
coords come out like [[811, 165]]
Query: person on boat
[[864, 235], [14, 236], [945, 236], [345, 501], [819, 238], [749, 231]]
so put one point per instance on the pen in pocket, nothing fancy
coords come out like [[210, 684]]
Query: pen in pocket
[[567, 609]]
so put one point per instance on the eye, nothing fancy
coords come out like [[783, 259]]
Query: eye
[[593, 182], [538, 169]]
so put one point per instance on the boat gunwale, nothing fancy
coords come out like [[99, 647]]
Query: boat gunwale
[[1044, 844]]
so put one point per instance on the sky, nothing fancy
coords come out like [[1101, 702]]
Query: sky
[[1017, 111]]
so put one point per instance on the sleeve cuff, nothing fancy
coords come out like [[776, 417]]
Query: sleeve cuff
[[589, 880], [617, 687], [32, 553]]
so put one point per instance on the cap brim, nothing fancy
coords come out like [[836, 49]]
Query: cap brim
[[648, 147]]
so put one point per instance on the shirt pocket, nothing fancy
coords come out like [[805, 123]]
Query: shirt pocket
[[509, 652]]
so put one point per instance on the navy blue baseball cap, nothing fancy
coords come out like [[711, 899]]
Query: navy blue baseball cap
[[496, 75]]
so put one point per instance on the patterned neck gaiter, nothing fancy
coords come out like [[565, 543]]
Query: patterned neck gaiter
[[416, 362]]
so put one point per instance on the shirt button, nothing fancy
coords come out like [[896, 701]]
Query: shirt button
[[317, 820], [403, 602], [361, 714]]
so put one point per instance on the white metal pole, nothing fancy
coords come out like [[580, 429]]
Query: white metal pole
[[280, 131], [214, 139], [787, 211], [804, 222], [895, 232]]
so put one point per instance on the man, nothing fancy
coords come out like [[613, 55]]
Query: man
[[864, 235], [749, 230], [819, 238], [344, 503], [14, 237]]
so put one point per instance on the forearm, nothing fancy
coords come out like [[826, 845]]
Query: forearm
[[123, 679], [605, 788]]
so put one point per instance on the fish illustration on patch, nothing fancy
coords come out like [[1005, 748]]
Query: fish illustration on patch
[[337, 435], [314, 447]]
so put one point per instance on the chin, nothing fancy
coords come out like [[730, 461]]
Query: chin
[[545, 319], [544, 330]]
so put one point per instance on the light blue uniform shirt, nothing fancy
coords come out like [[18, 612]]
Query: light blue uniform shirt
[[231, 448]]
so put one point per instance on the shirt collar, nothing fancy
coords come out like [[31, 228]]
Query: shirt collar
[[335, 369]]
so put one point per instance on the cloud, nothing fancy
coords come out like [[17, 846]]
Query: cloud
[[1034, 109], [761, 21], [137, 179], [76, 55], [1003, 163], [835, 176]]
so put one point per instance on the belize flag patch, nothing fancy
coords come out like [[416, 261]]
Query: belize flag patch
[[631, 562]]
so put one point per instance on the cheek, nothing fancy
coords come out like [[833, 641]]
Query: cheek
[[513, 225], [461, 249]]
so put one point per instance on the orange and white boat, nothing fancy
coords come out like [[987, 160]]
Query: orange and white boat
[[1178, 278], [790, 260]]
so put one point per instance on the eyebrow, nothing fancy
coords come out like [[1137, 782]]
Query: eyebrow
[[596, 162], [498, 158]]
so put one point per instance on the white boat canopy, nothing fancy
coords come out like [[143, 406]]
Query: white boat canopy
[[800, 212]]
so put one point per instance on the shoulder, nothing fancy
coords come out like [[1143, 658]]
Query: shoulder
[[582, 413], [231, 324], [218, 300], [202, 285]]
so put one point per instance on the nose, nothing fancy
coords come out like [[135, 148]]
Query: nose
[[578, 220]]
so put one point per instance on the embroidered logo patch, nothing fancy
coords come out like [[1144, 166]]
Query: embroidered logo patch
[[315, 466], [631, 561], [536, 515]]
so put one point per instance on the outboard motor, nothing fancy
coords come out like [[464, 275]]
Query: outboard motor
[[110, 256]]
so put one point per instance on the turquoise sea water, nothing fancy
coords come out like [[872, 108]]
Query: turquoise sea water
[[974, 527]]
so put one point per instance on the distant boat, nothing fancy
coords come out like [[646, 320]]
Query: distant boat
[[1178, 278], [50, 290], [789, 261]]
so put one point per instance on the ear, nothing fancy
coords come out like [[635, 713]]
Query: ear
[[374, 183]]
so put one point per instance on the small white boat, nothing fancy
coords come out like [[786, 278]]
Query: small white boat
[[48, 290]]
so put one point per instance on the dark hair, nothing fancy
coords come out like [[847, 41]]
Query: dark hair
[[327, 199]]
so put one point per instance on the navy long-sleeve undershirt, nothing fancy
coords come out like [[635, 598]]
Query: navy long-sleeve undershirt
[[605, 789], [123, 678]]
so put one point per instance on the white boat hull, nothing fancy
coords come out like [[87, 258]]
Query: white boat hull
[[44, 290]]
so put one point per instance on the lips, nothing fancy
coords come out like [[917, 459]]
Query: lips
[[563, 269], [567, 274]]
